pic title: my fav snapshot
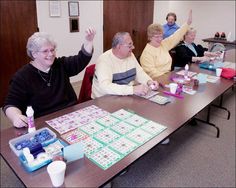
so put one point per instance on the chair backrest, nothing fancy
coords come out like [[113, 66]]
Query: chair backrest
[[138, 59], [172, 53], [217, 47], [86, 87]]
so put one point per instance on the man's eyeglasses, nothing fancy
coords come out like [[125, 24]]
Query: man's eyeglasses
[[130, 46], [47, 51]]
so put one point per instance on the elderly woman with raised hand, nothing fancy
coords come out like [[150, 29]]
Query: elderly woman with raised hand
[[155, 58], [188, 52], [44, 83]]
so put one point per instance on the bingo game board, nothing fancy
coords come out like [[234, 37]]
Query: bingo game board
[[75, 119], [110, 137]]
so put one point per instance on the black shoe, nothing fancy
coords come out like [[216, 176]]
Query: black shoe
[[124, 171], [166, 141], [193, 122]]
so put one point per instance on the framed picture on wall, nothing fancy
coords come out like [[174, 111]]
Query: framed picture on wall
[[74, 24], [73, 9], [54, 8]]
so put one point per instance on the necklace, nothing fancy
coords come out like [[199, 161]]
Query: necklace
[[49, 81]]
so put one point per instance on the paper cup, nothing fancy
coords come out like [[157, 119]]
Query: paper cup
[[56, 171], [173, 87], [218, 72]]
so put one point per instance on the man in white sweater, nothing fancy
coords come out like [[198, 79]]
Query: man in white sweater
[[117, 71]]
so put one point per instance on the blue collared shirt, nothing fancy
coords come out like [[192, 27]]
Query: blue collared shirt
[[169, 30]]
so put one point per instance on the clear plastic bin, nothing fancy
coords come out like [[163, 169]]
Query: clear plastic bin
[[30, 140], [32, 167]]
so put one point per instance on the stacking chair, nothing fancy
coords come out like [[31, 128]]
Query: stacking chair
[[86, 87], [217, 47]]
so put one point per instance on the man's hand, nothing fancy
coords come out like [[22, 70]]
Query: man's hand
[[141, 89], [153, 84]]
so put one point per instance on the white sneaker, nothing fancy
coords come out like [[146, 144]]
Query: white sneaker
[[166, 141]]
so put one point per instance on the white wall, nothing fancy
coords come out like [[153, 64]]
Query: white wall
[[91, 14], [208, 18]]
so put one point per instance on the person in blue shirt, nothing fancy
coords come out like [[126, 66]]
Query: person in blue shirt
[[170, 27]]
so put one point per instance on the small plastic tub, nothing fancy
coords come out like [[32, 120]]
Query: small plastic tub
[[42, 136]]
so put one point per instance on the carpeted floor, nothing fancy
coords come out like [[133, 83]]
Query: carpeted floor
[[193, 158]]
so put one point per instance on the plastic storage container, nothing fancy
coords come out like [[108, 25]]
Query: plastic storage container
[[31, 139], [34, 141], [32, 167]]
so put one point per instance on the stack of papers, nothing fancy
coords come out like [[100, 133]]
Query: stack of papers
[[212, 79]]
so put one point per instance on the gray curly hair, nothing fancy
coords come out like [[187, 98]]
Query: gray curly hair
[[36, 41]]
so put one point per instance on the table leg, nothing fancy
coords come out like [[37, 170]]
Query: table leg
[[221, 107], [207, 121]]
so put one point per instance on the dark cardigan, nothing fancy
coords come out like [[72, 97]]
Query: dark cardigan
[[28, 87], [184, 55]]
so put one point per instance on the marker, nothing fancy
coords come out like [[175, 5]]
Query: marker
[[174, 95]]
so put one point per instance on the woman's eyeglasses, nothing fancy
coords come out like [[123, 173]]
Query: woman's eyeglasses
[[159, 36], [47, 51]]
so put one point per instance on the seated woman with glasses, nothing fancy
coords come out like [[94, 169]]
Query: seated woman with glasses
[[44, 83], [155, 58]]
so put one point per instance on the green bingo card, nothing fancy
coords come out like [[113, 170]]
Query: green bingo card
[[114, 136]]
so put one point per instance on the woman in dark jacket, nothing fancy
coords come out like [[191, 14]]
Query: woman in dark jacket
[[44, 82], [188, 52]]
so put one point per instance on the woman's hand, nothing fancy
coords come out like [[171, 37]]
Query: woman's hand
[[213, 54], [204, 58], [88, 44], [15, 116], [20, 121], [90, 33]]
